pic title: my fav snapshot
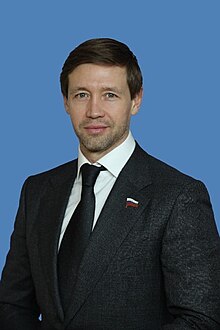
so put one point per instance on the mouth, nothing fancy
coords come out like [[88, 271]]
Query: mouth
[[96, 129]]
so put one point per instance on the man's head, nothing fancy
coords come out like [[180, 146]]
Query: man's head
[[103, 51], [101, 84]]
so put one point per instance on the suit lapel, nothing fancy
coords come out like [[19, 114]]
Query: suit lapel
[[52, 209], [115, 222]]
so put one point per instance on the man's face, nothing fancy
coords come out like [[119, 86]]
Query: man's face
[[100, 107]]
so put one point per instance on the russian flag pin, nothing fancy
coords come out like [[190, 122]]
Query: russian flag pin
[[130, 202]]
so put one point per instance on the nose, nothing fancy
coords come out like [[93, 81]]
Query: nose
[[94, 109]]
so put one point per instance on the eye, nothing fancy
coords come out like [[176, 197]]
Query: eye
[[110, 95], [81, 95]]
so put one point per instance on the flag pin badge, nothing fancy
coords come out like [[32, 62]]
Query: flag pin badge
[[130, 202]]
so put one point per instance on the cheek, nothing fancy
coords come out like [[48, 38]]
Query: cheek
[[119, 113], [77, 113], [123, 116], [75, 119]]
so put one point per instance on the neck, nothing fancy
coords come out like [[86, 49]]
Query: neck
[[94, 156]]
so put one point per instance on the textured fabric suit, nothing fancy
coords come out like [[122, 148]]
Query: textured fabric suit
[[155, 266]]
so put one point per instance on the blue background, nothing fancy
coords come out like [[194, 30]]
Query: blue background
[[178, 47]]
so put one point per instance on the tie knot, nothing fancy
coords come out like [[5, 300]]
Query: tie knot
[[90, 174]]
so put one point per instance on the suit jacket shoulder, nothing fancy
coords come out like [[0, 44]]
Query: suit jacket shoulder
[[60, 172], [56, 176], [160, 172]]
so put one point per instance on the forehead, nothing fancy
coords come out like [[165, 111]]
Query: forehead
[[98, 74]]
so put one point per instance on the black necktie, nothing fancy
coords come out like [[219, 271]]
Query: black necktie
[[77, 234]]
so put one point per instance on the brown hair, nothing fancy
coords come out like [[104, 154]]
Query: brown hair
[[103, 51]]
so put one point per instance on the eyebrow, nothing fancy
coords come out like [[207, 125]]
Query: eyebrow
[[111, 88], [104, 88], [74, 90]]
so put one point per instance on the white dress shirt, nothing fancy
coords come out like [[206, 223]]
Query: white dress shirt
[[114, 161]]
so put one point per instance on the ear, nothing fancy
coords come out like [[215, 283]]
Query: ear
[[66, 103], [136, 102]]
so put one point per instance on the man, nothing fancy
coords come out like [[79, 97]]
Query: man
[[151, 259]]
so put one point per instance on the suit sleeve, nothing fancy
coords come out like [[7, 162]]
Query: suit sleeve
[[18, 306], [191, 262]]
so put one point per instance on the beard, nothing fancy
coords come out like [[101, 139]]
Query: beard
[[102, 142]]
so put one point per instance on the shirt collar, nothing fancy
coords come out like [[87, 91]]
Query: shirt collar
[[113, 161]]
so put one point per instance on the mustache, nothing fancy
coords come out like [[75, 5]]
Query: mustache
[[95, 121]]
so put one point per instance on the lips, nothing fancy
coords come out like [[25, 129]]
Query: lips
[[96, 129]]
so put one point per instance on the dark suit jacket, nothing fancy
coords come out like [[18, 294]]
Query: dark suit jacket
[[155, 266]]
